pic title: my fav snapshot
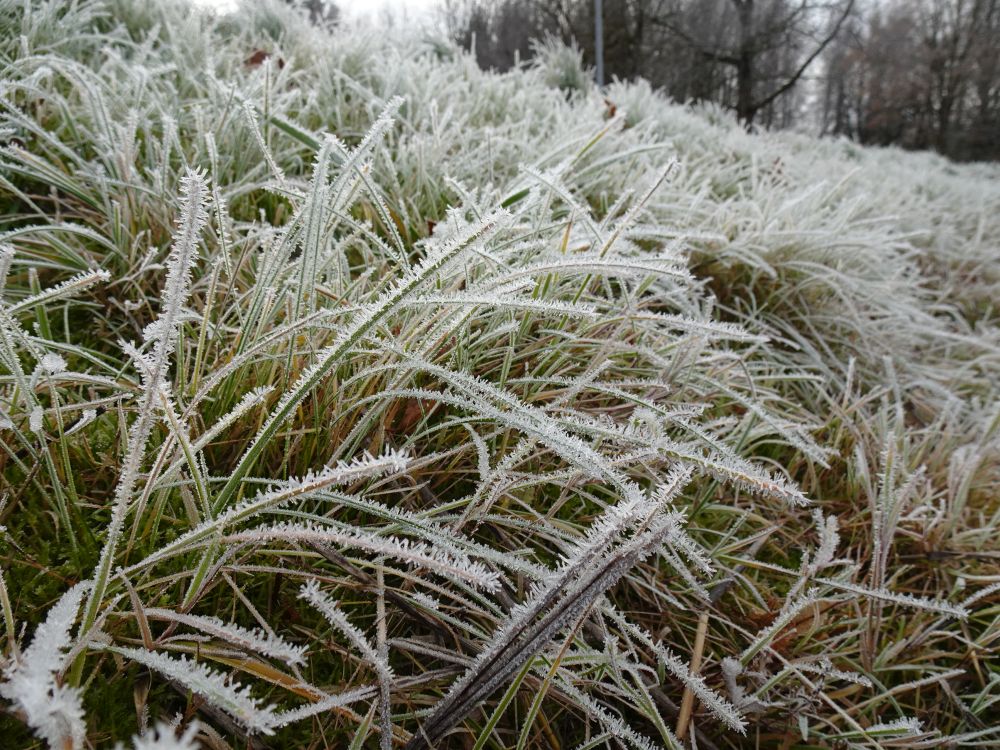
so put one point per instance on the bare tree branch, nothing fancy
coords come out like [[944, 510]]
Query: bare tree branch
[[793, 79]]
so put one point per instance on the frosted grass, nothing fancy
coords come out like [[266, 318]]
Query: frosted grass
[[556, 406]]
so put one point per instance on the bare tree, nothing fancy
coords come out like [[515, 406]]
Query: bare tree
[[921, 74], [752, 36], [918, 73]]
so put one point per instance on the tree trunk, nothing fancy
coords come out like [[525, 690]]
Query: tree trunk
[[746, 110]]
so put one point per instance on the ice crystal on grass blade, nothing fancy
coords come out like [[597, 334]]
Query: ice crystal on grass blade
[[363, 322], [907, 600], [441, 561], [343, 472], [374, 655], [165, 737], [825, 669], [721, 709], [627, 533], [52, 363], [267, 644], [900, 729], [53, 710], [829, 539], [324, 704], [311, 593], [612, 724], [36, 420], [76, 285], [218, 689], [180, 262]]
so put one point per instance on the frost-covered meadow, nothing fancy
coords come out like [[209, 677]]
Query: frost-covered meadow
[[351, 396]]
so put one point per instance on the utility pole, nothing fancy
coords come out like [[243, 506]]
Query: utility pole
[[599, 41]]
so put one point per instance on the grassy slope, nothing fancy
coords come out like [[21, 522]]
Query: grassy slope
[[874, 274]]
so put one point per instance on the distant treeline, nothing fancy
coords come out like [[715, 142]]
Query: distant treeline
[[923, 74]]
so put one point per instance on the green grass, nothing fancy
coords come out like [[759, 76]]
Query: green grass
[[482, 412]]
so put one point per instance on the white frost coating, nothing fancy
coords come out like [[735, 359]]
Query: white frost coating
[[86, 417], [217, 688], [333, 614], [324, 704], [721, 709], [79, 283], [180, 264], [343, 472], [376, 656], [36, 419], [829, 539], [551, 371], [236, 635], [907, 600], [165, 737], [445, 563], [825, 668], [53, 710], [52, 363], [362, 322]]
